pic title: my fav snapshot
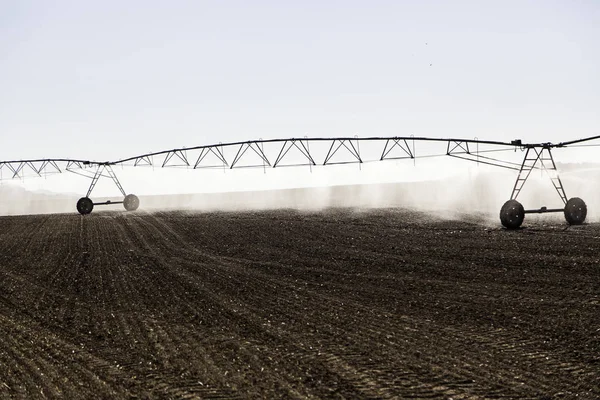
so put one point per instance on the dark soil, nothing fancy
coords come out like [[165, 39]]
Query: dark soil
[[282, 304]]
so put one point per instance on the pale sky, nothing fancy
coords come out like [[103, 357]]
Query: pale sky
[[109, 79]]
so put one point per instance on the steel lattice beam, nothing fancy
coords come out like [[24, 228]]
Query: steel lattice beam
[[458, 148]]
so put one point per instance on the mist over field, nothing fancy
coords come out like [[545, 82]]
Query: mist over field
[[449, 187], [479, 192]]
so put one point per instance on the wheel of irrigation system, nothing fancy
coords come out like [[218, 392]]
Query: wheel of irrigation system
[[512, 214], [131, 202], [575, 211], [85, 205]]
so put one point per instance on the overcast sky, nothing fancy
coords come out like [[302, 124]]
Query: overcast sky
[[108, 79]]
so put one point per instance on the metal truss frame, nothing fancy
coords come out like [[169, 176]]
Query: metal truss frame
[[461, 149], [537, 156], [349, 146]]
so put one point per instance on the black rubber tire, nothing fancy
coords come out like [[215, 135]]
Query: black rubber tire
[[575, 211], [512, 214], [85, 205], [131, 202]]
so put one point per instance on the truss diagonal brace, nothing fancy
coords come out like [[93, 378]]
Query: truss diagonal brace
[[71, 165], [244, 148], [342, 142], [180, 154], [16, 171], [217, 151], [457, 147], [293, 143], [396, 143], [144, 160]]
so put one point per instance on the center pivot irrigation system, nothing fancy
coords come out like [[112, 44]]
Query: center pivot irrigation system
[[537, 156]]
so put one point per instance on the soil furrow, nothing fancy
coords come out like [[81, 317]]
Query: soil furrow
[[281, 304]]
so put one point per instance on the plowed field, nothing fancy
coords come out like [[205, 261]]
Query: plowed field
[[282, 304]]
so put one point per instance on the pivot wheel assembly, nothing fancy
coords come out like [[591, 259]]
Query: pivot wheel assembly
[[131, 202], [512, 214], [575, 211], [540, 157], [85, 205]]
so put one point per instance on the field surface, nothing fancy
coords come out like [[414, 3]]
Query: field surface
[[283, 304]]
